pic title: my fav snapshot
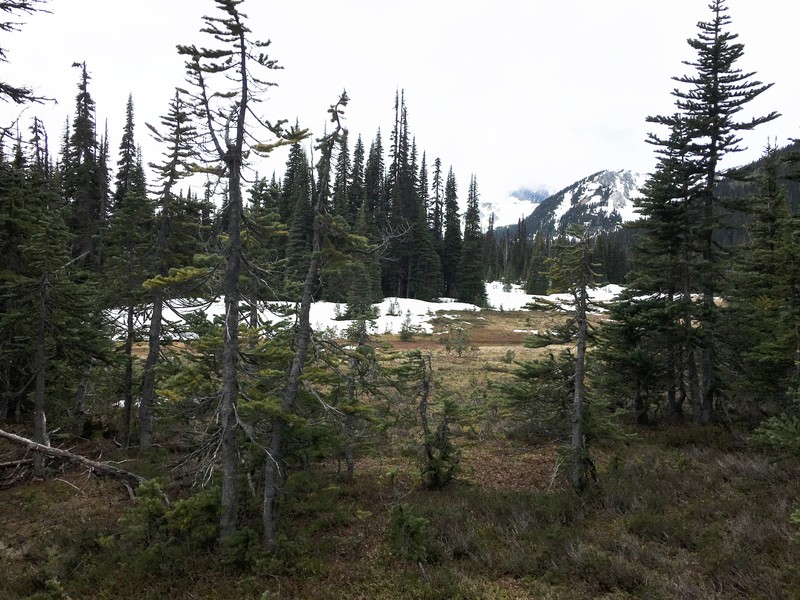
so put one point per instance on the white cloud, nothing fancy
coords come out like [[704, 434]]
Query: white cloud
[[511, 91]]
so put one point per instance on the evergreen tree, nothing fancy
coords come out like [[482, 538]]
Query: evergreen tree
[[356, 190], [708, 106], [377, 209], [683, 214], [46, 327], [125, 247], [227, 112], [127, 257], [301, 223], [177, 239], [764, 307], [274, 470], [537, 281], [571, 269], [489, 252], [18, 218], [436, 216], [341, 181], [82, 177], [130, 174], [401, 189], [470, 284], [451, 242]]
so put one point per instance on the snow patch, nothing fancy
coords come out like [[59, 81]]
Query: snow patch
[[393, 312]]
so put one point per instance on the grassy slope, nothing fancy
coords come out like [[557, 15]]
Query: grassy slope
[[682, 513]]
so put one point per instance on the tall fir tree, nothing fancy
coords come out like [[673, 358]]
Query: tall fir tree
[[436, 215], [451, 241], [130, 172], [47, 328], [301, 218], [763, 338], [82, 176], [356, 189], [709, 104], [377, 209], [684, 213], [341, 181], [229, 124], [177, 238], [470, 282]]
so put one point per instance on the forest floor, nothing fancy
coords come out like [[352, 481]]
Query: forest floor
[[680, 512]]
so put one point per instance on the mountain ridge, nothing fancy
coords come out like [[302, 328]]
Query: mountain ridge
[[601, 201]]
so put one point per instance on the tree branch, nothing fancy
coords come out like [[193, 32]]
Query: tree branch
[[100, 468]]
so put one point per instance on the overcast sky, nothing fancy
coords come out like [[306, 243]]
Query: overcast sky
[[519, 93]]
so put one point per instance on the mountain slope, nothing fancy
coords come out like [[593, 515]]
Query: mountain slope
[[510, 210], [602, 202]]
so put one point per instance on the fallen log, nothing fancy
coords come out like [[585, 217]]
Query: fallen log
[[100, 468]]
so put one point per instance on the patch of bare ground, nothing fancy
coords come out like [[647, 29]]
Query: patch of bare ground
[[508, 467], [38, 514]]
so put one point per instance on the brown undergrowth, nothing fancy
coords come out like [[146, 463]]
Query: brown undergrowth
[[681, 513]]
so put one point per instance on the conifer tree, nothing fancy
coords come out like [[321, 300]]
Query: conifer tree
[[470, 283], [18, 218], [126, 252], [764, 308], [356, 190], [301, 220], [264, 281], [570, 269], [130, 174], [176, 240], [683, 213], [451, 241], [341, 181], [537, 281], [82, 176], [377, 210], [489, 252], [436, 215], [47, 325], [708, 106], [227, 113], [274, 470], [401, 190], [125, 247]]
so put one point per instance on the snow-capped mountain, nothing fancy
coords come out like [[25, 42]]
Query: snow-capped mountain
[[517, 205], [601, 202]]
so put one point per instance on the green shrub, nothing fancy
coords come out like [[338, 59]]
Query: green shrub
[[410, 536], [440, 458], [781, 434], [407, 329]]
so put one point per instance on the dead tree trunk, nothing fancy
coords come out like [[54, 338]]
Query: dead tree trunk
[[149, 379], [100, 468]]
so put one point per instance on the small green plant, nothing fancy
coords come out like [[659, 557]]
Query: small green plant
[[441, 460], [456, 339], [780, 433], [410, 536], [509, 356], [407, 329]]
